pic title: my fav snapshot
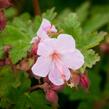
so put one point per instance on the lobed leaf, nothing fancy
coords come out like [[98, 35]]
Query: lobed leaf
[[71, 25], [90, 58]]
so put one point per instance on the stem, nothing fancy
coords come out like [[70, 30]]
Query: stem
[[36, 87], [36, 7], [44, 86]]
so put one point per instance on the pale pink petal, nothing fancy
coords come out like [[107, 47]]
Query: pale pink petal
[[43, 36], [53, 29], [45, 24], [65, 43], [44, 27], [46, 47], [41, 67], [59, 74], [73, 60]]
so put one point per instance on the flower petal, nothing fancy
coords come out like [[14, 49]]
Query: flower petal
[[73, 60], [66, 42], [59, 74], [41, 67], [43, 35], [44, 28], [53, 29], [46, 47], [45, 25]]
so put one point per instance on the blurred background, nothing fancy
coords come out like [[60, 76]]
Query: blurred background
[[95, 13]]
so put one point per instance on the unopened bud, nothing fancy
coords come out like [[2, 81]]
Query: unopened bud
[[52, 97], [104, 47], [84, 81]]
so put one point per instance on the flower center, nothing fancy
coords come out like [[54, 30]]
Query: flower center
[[55, 56]]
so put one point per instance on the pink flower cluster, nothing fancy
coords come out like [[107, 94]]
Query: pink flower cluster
[[56, 55]]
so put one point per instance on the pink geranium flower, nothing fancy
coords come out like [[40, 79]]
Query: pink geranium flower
[[56, 57], [43, 30]]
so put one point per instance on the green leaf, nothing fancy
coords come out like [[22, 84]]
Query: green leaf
[[1, 52], [100, 9], [20, 43], [36, 23], [18, 55], [22, 82], [88, 41], [14, 88], [5, 103], [24, 24], [90, 58], [96, 22], [50, 14], [91, 40], [38, 101], [6, 80], [71, 25], [22, 102], [10, 12], [83, 11], [10, 79], [18, 34], [63, 15], [86, 104]]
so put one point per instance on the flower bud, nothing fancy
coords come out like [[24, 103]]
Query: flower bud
[[84, 81], [52, 97], [2, 20], [104, 47], [4, 3]]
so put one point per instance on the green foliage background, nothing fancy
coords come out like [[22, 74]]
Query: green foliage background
[[87, 22]]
